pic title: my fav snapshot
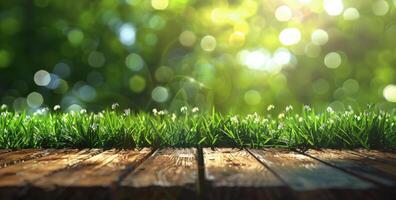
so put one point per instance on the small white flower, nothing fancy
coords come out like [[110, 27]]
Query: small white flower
[[281, 115], [155, 112], [114, 106], [57, 107], [83, 111], [234, 119], [127, 111], [307, 108], [162, 112], [300, 119], [270, 107], [3, 107], [330, 110], [94, 126], [183, 109], [4, 114], [173, 117], [289, 108], [194, 110]]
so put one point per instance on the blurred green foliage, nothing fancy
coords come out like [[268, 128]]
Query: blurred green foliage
[[235, 55]]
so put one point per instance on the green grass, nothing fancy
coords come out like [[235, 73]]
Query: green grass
[[367, 128]]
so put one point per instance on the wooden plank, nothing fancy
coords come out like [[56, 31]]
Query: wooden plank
[[4, 151], [236, 174], [167, 174], [310, 178], [14, 157], [26, 172], [103, 169], [382, 156], [378, 172]]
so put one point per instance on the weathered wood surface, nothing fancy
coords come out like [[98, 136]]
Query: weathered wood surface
[[378, 172], [167, 174], [26, 172], [382, 156], [12, 157], [236, 174], [4, 151], [310, 178], [103, 169], [187, 173]]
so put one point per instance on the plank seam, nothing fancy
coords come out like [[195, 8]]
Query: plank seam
[[269, 169], [125, 172], [201, 192], [376, 183]]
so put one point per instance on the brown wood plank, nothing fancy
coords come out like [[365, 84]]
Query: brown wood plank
[[167, 174], [310, 178], [236, 174], [378, 172], [103, 169], [4, 151], [14, 157], [26, 172], [382, 156]]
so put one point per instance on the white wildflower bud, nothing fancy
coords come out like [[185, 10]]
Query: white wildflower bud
[[289, 108], [114, 106], [83, 111], [183, 109], [162, 112], [330, 110], [270, 107], [234, 119], [94, 126], [3, 107], [307, 108], [281, 115], [173, 117], [127, 111], [300, 119], [194, 110], [155, 112], [57, 107]]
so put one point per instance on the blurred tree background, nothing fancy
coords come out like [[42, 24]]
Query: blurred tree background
[[235, 55]]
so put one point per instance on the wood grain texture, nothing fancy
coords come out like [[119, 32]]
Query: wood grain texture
[[26, 172], [102, 170], [236, 174], [4, 151], [167, 174], [378, 172], [311, 179], [381, 156], [304, 173], [13, 157]]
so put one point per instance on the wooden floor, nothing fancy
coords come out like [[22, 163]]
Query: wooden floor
[[197, 174]]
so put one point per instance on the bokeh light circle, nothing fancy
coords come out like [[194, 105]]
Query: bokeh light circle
[[35, 100], [252, 97], [351, 14], [333, 7], [134, 62], [42, 78], [389, 93], [137, 83], [290, 36], [160, 94], [319, 37], [283, 13], [380, 7], [208, 43], [332, 60]]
